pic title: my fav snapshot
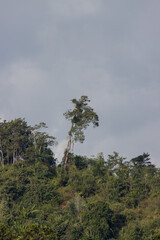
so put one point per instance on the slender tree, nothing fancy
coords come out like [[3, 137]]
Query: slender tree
[[80, 117], [41, 143]]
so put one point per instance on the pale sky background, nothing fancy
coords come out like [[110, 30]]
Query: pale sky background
[[54, 50]]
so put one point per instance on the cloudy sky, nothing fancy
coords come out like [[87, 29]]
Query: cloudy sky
[[54, 50]]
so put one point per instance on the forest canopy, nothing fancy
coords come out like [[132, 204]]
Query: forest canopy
[[93, 198], [18, 141]]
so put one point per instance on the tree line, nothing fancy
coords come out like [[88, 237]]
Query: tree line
[[18, 141], [81, 198]]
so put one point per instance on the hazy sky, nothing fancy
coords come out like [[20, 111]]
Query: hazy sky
[[54, 50]]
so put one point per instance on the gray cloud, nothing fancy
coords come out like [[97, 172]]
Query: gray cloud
[[53, 51]]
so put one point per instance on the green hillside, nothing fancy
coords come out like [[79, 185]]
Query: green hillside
[[91, 198]]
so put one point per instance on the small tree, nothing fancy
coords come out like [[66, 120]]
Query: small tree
[[81, 116]]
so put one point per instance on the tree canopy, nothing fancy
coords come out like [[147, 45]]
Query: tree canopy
[[18, 141], [100, 197], [80, 117]]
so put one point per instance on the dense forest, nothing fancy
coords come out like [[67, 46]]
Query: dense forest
[[81, 198], [92, 198]]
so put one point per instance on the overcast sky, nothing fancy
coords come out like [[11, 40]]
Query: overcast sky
[[54, 50]]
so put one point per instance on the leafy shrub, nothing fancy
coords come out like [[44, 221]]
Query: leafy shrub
[[37, 232], [5, 233]]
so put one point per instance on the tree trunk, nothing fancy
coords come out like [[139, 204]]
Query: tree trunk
[[67, 151], [2, 159]]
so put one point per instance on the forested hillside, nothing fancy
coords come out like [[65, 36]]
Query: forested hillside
[[89, 199]]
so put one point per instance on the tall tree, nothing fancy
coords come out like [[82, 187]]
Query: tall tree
[[18, 141], [14, 137], [80, 117], [41, 144]]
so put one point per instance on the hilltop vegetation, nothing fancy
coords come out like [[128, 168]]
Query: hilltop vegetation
[[91, 198]]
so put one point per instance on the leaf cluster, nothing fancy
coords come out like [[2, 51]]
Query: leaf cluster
[[81, 117]]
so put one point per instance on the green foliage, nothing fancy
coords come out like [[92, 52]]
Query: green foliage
[[82, 182], [157, 236], [99, 222], [18, 141], [132, 232], [81, 162], [81, 116], [14, 140], [5, 233], [37, 232], [93, 198]]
